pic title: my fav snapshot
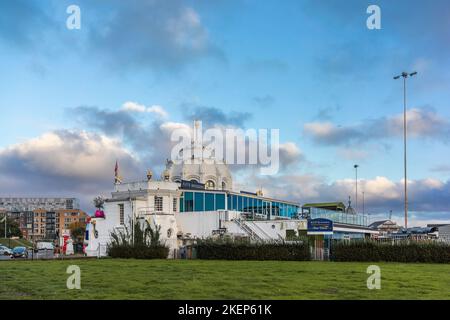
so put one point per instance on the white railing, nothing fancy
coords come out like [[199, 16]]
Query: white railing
[[131, 186], [247, 229], [267, 236], [146, 211]]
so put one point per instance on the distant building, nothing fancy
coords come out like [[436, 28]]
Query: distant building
[[385, 227], [443, 231], [43, 218], [333, 206]]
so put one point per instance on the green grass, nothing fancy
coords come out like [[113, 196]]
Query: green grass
[[204, 279], [10, 243]]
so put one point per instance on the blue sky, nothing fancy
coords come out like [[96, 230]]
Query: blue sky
[[310, 68]]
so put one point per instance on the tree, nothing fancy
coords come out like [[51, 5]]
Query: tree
[[12, 228], [77, 231]]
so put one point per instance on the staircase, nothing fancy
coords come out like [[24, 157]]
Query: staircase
[[253, 235]]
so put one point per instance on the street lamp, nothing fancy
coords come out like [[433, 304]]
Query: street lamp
[[356, 183], [364, 211], [405, 75]]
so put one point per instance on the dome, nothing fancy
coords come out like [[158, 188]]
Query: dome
[[212, 172]]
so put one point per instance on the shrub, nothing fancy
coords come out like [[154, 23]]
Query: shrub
[[245, 250], [397, 252], [143, 242]]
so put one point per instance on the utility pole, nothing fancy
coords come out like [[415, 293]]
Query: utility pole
[[405, 75]]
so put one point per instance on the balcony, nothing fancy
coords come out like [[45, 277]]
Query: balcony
[[338, 217]]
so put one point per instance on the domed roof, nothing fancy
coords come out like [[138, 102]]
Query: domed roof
[[200, 167]]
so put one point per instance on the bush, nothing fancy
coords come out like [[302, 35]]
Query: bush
[[142, 243], [399, 252], [245, 250], [138, 252]]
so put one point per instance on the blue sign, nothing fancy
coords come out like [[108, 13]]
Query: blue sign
[[192, 185], [320, 226]]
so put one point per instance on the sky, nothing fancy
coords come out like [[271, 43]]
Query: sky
[[73, 101]]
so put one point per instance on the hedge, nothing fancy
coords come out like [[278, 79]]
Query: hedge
[[252, 251], [398, 252], [138, 252]]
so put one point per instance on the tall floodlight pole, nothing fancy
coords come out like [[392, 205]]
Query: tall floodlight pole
[[364, 211], [356, 185], [405, 75]]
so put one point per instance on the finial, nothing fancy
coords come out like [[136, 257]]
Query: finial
[[149, 175]]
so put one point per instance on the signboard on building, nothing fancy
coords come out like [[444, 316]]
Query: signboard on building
[[192, 185], [320, 226]]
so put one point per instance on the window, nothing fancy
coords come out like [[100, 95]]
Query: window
[[158, 204], [220, 202], [175, 200], [209, 202], [224, 185], [210, 185], [199, 201], [240, 202], [121, 214], [235, 202], [188, 201]]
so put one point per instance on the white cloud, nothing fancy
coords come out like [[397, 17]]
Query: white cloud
[[421, 123], [381, 194], [64, 163], [136, 107]]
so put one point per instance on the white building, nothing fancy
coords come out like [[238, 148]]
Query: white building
[[196, 199], [193, 199]]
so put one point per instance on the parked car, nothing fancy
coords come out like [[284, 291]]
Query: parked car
[[5, 251], [20, 252]]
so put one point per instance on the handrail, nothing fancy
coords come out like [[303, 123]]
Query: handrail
[[262, 230], [247, 229]]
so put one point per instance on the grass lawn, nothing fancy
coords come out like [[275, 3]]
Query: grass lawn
[[202, 279]]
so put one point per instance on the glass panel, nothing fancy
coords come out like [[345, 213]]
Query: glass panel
[[188, 202], [240, 203], [199, 201], [245, 204], [235, 202], [209, 201], [220, 201], [181, 204], [229, 202]]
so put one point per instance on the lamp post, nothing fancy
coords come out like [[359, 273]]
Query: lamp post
[[364, 211], [356, 184], [405, 75]]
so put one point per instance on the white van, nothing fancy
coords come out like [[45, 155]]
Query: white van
[[45, 246]]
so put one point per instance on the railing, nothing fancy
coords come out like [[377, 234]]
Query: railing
[[262, 230], [338, 217], [145, 211], [247, 229], [131, 186]]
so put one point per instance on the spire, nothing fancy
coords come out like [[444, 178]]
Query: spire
[[117, 177]]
